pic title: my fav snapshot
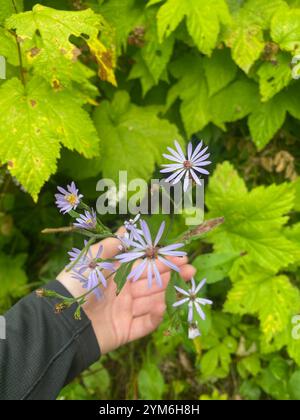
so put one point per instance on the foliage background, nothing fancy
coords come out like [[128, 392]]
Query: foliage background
[[90, 93]]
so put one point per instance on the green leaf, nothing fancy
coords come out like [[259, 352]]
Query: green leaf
[[151, 383], [216, 362], [245, 37], [45, 35], [155, 54], [12, 275], [273, 299], [266, 120], [34, 121], [253, 220], [215, 267], [285, 29], [122, 275], [141, 71], [203, 21], [274, 76], [277, 388], [220, 70], [124, 16], [294, 385], [250, 391], [193, 91], [297, 202], [241, 98], [250, 364], [8, 47], [132, 137], [7, 8]]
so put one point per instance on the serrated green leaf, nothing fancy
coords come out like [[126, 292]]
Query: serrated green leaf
[[273, 299], [220, 70], [266, 120], [155, 54], [141, 71], [245, 36], [33, 122], [132, 137], [203, 21], [193, 91], [241, 97], [216, 266], [45, 36], [285, 29], [253, 220], [274, 76]]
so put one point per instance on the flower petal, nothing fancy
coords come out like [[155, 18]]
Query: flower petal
[[200, 286], [197, 149], [160, 233], [182, 291], [170, 157], [179, 150], [146, 232], [168, 263], [157, 275], [181, 302], [191, 312], [199, 310]]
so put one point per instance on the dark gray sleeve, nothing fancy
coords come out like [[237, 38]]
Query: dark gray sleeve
[[43, 351]]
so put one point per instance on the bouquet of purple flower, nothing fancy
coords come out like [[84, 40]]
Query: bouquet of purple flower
[[140, 249]]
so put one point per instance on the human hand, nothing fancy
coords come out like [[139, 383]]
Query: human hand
[[135, 312]]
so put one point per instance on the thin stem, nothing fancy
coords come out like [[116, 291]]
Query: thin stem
[[14, 6], [65, 229]]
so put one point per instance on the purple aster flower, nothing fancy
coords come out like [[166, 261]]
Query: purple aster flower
[[187, 166], [68, 199], [89, 269], [192, 300], [87, 220], [149, 252], [131, 227]]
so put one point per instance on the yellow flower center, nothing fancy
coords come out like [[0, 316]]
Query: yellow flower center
[[72, 199]]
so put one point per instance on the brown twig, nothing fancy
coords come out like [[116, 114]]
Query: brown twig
[[65, 229]]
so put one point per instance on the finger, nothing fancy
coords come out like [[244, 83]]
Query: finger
[[148, 304], [162, 268], [146, 324], [110, 246], [141, 288], [187, 272]]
